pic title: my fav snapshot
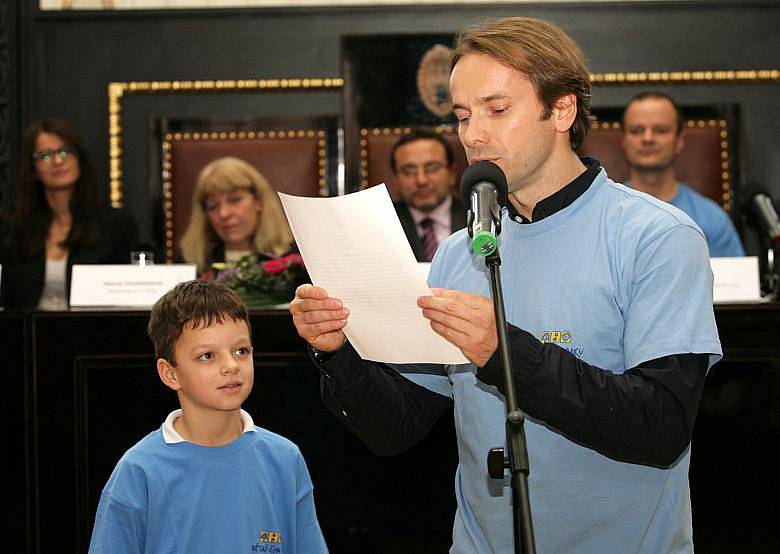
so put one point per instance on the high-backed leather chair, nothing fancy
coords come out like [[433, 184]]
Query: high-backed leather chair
[[376, 144], [293, 161], [704, 162]]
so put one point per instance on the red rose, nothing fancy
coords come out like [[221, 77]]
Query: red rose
[[293, 259], [274, 267]]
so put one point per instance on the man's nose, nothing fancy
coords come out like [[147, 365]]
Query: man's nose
[[475, 134]]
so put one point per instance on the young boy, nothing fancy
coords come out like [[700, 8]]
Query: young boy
[[208, 480]]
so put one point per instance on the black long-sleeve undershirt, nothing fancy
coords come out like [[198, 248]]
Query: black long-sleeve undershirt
[[643, 416], [387, 411]]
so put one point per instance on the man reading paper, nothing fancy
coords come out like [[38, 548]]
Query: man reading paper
[[608, 362]]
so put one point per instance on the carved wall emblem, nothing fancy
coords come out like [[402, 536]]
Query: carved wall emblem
[[433, 80]]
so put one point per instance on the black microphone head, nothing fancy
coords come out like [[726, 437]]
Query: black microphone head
[[764, 211], [480, 172]]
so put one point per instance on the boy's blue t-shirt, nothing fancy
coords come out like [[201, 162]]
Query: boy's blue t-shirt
[[617, 278], [252, 495]]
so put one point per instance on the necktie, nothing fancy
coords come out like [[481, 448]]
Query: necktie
[[430, 244]]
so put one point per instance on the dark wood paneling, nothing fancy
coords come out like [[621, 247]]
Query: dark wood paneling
[[736, 441], [116, 402], [9, 99], [59, 339], [16, 509]]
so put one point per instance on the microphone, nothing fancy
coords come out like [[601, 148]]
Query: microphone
[[483, 190], [765, 213]]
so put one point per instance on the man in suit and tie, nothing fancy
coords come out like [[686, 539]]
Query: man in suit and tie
[[423, 177]]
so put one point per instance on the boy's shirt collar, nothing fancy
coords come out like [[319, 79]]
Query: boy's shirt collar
[[172, 436]]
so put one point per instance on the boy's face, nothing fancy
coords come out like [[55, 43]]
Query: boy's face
[[214, 372]]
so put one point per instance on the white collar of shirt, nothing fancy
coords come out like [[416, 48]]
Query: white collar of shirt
[[172, 436], [440, 214], [234, 256]]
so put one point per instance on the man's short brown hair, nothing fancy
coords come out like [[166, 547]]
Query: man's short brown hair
[[542, 51], [196, 303]]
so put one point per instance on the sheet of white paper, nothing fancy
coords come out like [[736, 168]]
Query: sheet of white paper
[[736, 279], [354, 247], [424, 268]]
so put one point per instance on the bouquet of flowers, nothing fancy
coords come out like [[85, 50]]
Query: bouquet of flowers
[[261, 283]]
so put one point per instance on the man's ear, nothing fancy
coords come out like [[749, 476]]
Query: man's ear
[[167, 373], [565, 112], [680, 142]]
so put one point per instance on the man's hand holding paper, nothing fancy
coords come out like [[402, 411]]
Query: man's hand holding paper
[[355, 249], [319, 319], [465, 320]]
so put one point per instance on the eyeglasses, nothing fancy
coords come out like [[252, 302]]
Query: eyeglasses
[[47, 156], [430, 167]]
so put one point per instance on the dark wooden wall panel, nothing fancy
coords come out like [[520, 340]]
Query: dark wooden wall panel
[[9, 98], [15, 412]]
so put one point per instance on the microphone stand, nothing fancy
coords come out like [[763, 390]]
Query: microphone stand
[[772, 273], [517, 460]]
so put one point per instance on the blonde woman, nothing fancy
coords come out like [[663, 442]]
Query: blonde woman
[[234, 213]]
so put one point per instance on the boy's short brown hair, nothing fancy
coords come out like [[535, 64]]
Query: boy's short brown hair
[[197, 303]]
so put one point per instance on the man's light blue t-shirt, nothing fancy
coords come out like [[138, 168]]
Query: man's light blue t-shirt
[[617, 278]]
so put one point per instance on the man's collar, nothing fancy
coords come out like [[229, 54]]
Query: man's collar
[[562, 198], [439, 214]]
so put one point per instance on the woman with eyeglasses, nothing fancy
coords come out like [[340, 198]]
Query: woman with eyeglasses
[[59, 220]]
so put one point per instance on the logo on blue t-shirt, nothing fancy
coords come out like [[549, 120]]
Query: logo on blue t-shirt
[[268, 541], [564, 339]]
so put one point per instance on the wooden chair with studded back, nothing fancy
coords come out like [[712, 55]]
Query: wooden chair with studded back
[[706, 163], [377, 149], [292, 159], [376, 145], [701, 159]]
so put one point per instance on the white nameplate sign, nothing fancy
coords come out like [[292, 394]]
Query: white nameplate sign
[[125, 285], [736, 279]]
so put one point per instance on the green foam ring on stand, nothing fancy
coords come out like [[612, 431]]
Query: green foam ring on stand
[[484, 243]]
